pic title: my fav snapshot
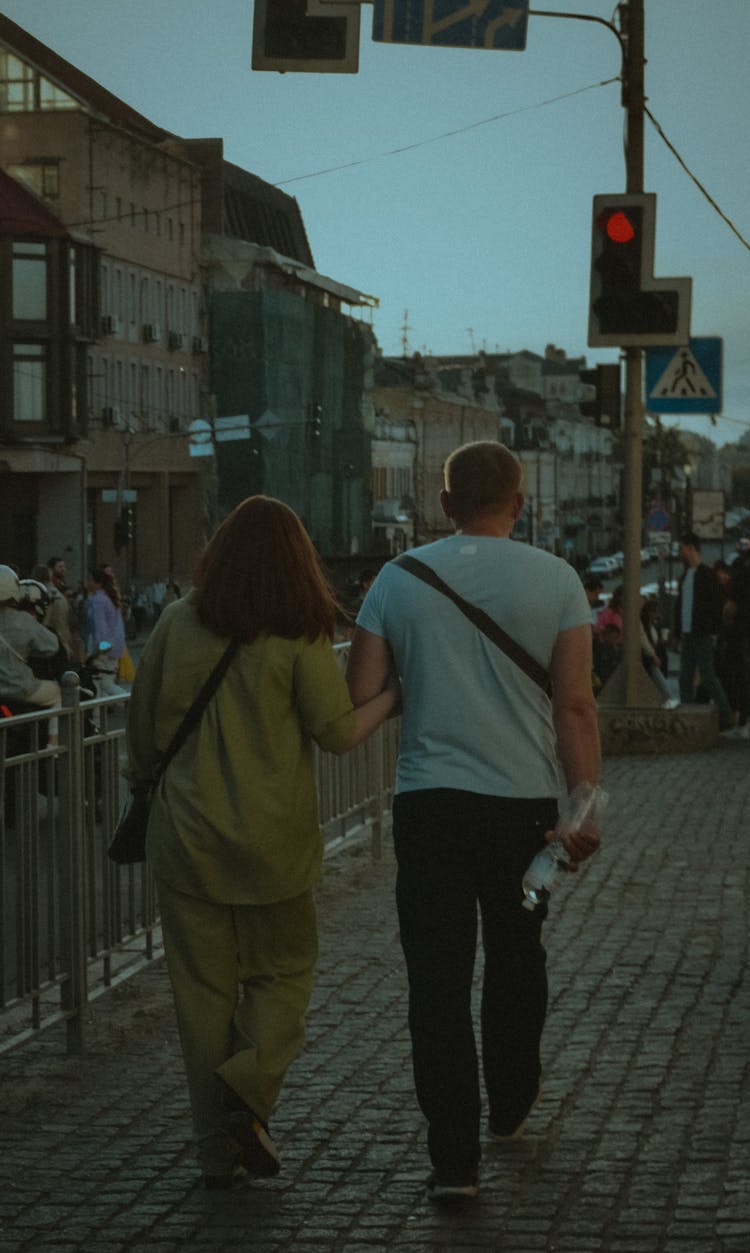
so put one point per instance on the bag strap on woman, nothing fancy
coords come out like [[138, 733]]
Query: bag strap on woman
[[194, 713]]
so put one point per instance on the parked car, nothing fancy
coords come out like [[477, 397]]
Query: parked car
[[743, 544], [619, 560], [605, 567]]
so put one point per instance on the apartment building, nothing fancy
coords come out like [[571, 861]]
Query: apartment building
[[101, 328]]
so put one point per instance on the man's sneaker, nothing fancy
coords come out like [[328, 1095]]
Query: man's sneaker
[[451, 1191], [260, 1156], [501, 1132]]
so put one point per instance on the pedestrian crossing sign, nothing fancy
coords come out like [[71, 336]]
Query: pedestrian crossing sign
[[685, 379]]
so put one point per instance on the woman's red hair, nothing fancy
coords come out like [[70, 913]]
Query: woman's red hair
[[260, 574]]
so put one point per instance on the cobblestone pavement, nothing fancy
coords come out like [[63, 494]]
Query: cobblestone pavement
[[641, 1141]]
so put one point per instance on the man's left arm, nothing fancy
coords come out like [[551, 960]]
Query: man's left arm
[[370, 666], [576, 724]]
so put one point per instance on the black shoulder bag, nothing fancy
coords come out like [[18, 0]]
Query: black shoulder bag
[[128, 844], [481, 620]]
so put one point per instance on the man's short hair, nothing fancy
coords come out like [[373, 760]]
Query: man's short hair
[[481, 477], [690, 538]]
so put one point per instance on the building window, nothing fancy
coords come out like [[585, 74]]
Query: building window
[[30, 282], [16, 84], [24, 90], [52, 97], [29, 383], [43, 177]]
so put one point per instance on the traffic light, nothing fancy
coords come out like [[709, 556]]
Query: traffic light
[[628, 306], [604, 408], [315, 36]]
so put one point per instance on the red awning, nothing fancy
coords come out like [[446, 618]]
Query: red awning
[[23, 213]]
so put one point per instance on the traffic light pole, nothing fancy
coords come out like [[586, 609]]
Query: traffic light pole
[[630, 685]]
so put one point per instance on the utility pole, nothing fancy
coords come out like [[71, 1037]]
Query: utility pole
[[635, 687]]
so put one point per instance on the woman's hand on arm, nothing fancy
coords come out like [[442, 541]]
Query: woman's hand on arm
[[373, 683]]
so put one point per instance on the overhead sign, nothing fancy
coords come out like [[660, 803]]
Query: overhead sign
[[499, 24], [236, 427], [200, 438], [111, 496], [685, 379]]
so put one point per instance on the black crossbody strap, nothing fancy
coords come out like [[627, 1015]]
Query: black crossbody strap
[[480, 619], [194, 713]]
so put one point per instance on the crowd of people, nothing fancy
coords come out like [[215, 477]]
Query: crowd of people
[[710, 631], [48, 626]]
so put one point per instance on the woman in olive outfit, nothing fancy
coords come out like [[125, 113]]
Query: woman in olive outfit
[[233, 836]]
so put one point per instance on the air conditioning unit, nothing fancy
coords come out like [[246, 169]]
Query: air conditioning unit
[[110, 415], [176, 341], [200, 343], [151, 333], [111, 325]]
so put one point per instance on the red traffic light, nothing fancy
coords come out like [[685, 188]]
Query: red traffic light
[[618, 227]]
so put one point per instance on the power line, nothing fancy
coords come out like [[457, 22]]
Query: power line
[[698, 183], [461, 130]]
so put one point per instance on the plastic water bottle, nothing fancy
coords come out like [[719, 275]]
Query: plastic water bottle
[[581, 804]]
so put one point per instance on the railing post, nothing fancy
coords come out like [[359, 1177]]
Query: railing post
[[375, 748], [74, 990]]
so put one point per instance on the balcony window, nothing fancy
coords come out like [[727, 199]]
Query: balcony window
[[29, 383], [29, 282]]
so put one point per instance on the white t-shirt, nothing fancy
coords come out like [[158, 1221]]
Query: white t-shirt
[[472, 719]]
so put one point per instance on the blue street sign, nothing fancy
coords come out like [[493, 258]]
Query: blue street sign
[[453, 23], [686, 379]]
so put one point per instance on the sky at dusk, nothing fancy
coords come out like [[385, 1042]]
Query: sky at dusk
[[457, 184]]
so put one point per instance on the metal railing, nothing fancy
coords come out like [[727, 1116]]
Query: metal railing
[[74, 924]]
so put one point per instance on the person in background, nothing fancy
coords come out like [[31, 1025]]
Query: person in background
[[611, 614], [171, 593], [593, 587], [56, 566], [233, 837], [732, 653], [607, 653], [22, 639], [57, 615], [478, 780], [105, 625], [698, 619], [653, 652]]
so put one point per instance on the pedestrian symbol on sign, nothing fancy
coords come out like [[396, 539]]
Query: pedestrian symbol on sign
[[683, 377]]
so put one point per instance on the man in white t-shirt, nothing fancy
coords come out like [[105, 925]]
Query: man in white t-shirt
[[484, 755]]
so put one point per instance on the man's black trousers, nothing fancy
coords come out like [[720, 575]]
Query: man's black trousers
[[456, 850]]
